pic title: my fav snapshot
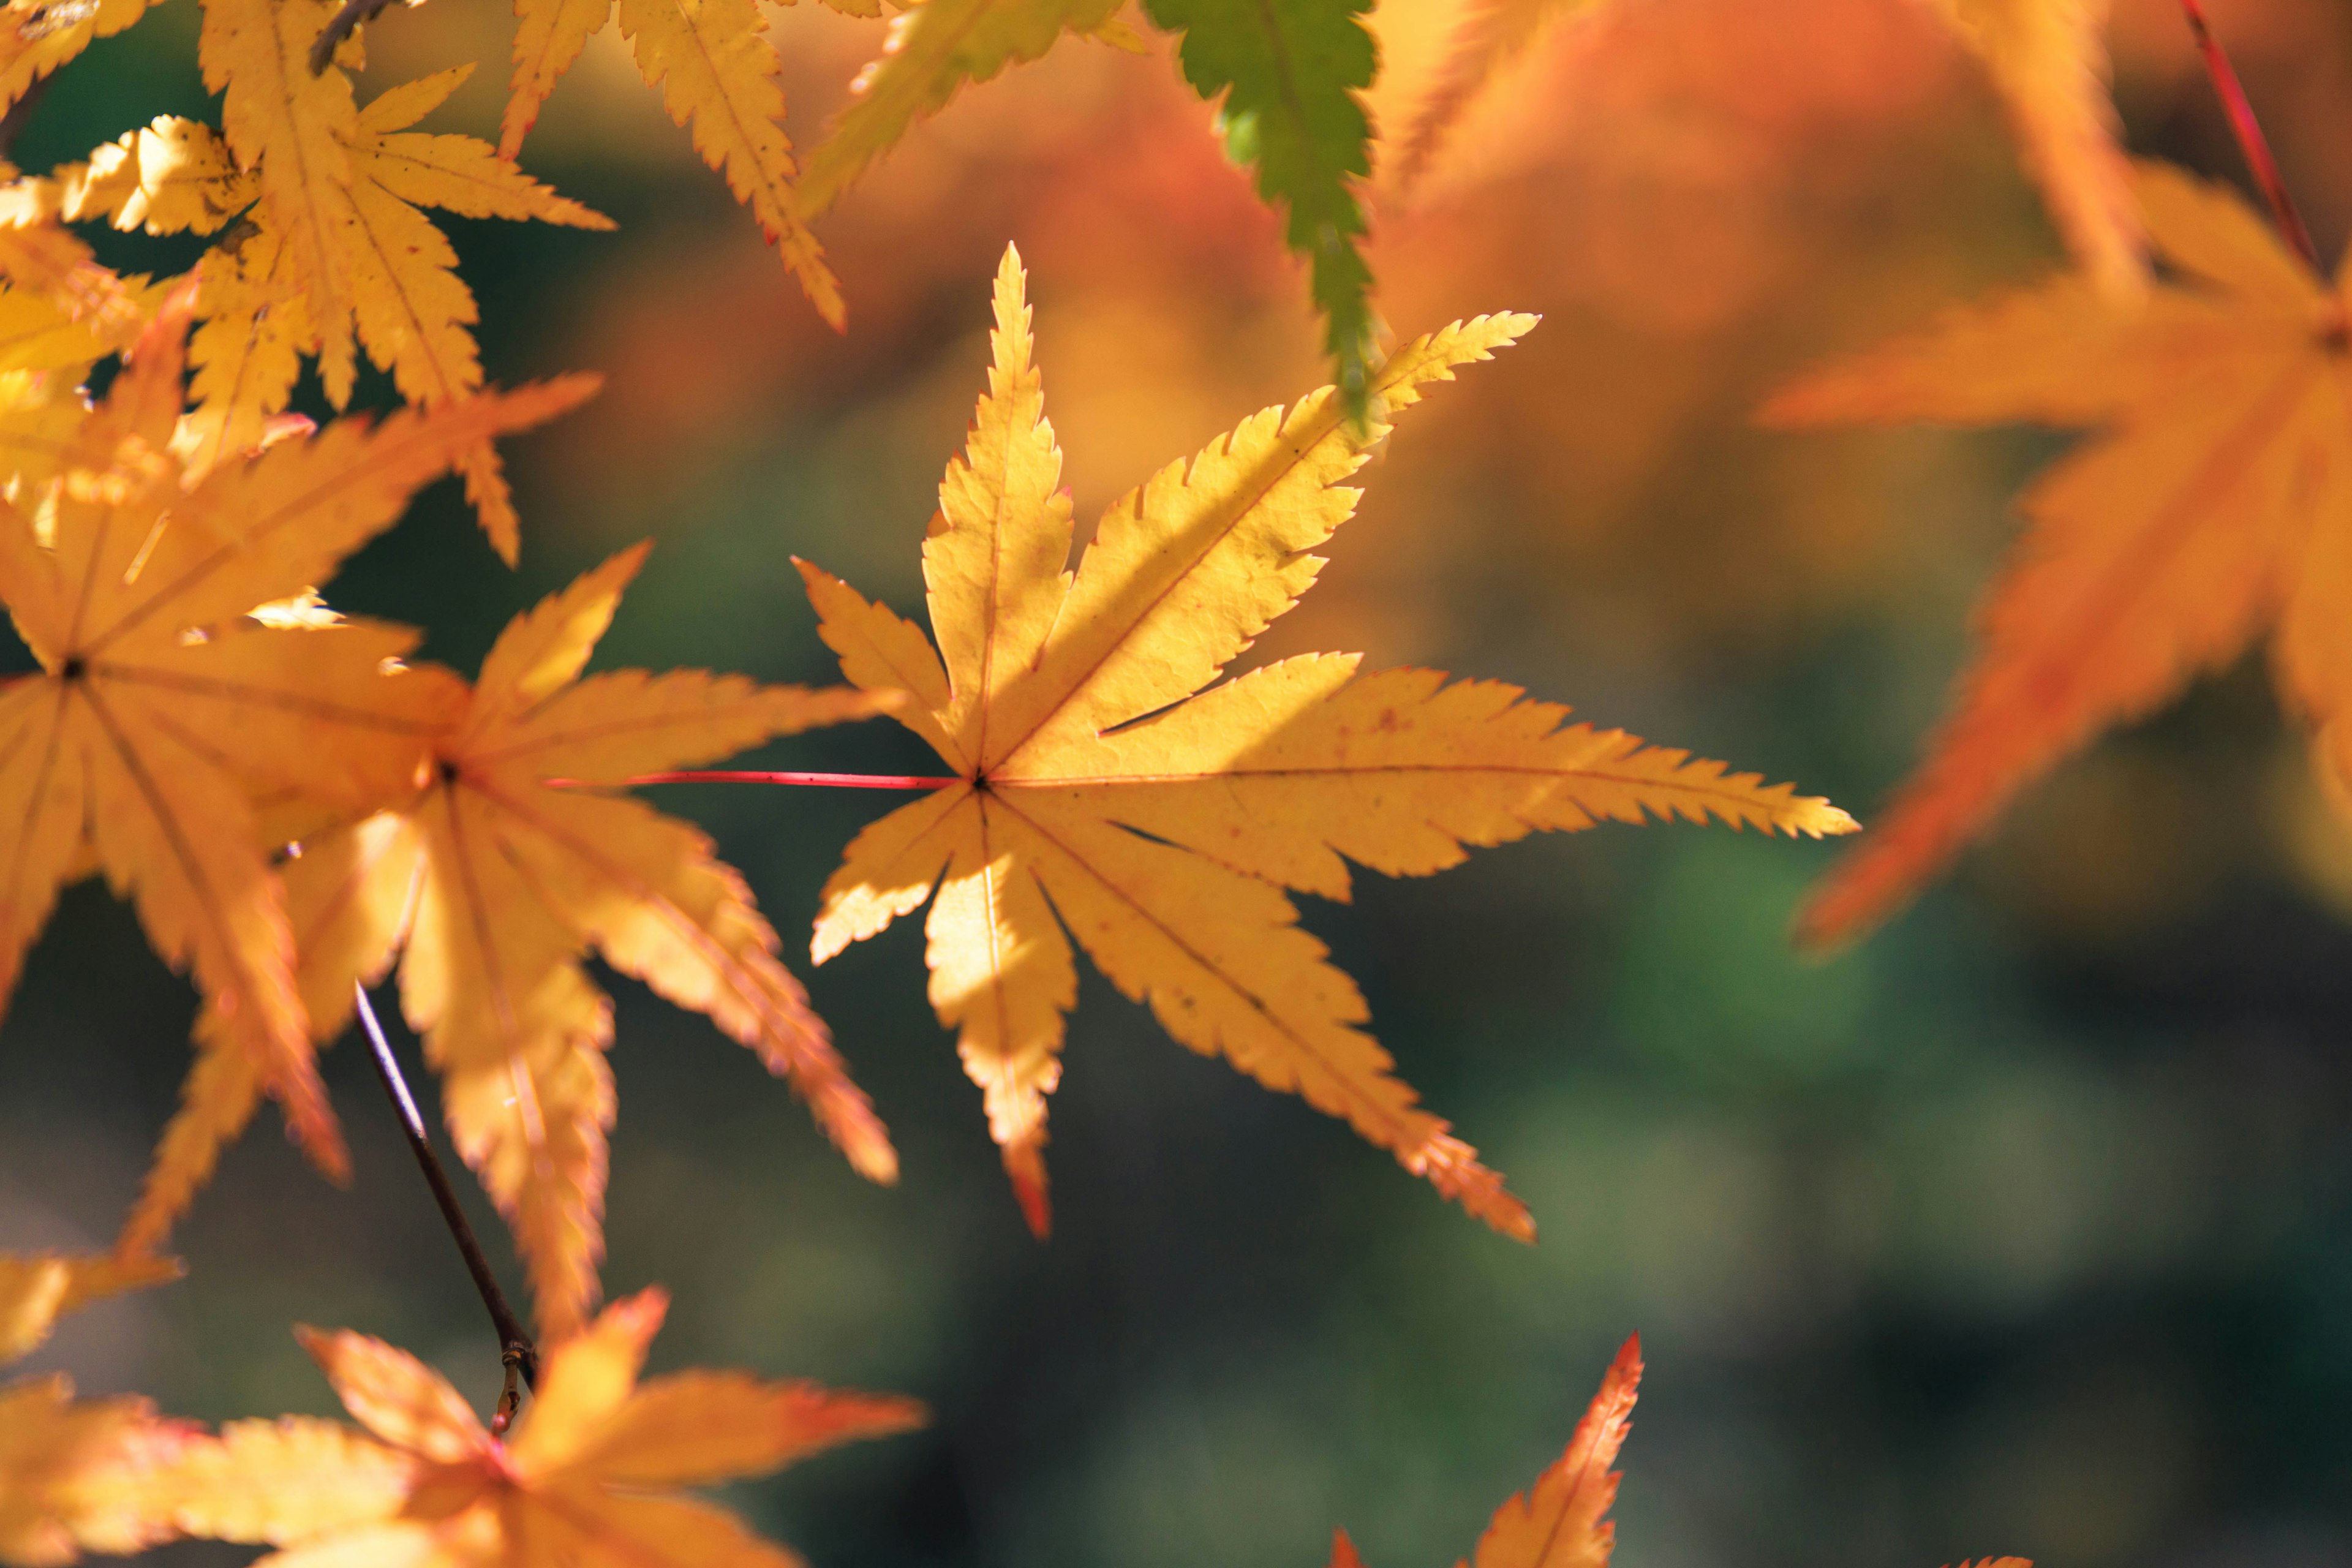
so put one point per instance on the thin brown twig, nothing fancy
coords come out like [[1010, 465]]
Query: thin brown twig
[[354, 15], [12, 123], [2250, 140], [515, 1346]]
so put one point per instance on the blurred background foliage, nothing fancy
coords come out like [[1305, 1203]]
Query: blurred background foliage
[[2027, 1227]]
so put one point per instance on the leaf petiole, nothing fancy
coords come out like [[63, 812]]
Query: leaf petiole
[[824, 781], [2250, 140]]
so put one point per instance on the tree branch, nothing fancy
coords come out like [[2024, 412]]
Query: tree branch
[[516, 1348], [354, 15], [12, 123]]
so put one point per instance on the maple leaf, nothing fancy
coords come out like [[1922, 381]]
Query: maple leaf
[[48, 346], [37, 36], [2047, 58], [1288, 74], [718, 77], [2215, 501], [1162, 831], [1491, 35], [160, 703], [36, 1290], [1561, 1521], [36, 257], [390, 273], [935, 47], [498, 885], [591, 1474], [70, 1472]]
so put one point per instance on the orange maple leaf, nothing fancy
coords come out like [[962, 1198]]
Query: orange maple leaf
[[161, 701], [71, 1471], [306, 270], [590, 1476], [716, 74], [1100, 790], [2214, 503], [1562, 1521], [497, 886], [2047, 58]]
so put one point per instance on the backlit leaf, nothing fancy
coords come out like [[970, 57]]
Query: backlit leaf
[[1103, 791]]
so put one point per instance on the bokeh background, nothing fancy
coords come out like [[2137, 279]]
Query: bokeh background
[[2027, 1227]]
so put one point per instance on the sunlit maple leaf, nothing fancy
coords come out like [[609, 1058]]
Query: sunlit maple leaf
[[37, 36], [2214, 502], [38, 258], [2048, 59], [47, 348], [499, 886], [1099, 794], [72, 1473], [716, 74], [591, 1477], [391, 274], [160, 703]]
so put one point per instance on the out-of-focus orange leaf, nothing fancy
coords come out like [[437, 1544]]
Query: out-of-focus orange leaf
[[2213, 503], [2047, 58], [72, 1474], [936, 47]]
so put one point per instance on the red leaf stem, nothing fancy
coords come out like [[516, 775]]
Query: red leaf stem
[[826, 781], [2251, 141]]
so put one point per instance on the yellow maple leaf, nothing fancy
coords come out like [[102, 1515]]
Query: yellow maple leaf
[[1161, 827], [47, 348], [2215, 502], [292, 129], [160, 703], [261, 307], [592, 1473], [37, 256], [37, 36], [498, 886], [2047, 58], [717, 75], [934, 49], [72, 1473]]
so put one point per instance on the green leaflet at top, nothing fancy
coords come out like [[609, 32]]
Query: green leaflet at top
[[1290, 70]]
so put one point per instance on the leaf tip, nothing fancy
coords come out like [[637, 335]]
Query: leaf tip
[[1025, 1164]]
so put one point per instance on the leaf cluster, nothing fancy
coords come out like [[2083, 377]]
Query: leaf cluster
[[297, 810]]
